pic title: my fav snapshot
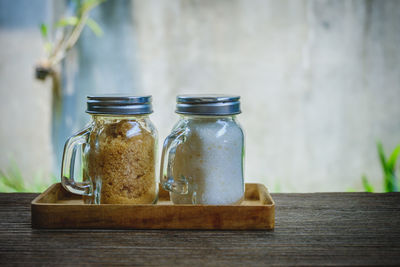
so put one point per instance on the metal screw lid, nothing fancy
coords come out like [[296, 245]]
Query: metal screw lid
[[119, 105], [213, 105]]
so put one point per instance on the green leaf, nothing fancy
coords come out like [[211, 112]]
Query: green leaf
[[367, 186], [48, 47], [4, 188], [96, 29], [391, 164], [69, 21], [382, 158], [43, 30], [391, 183], [89, 4], [13, 179]]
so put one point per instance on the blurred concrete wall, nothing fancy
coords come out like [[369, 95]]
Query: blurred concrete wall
[[319, 80], [25, 104]]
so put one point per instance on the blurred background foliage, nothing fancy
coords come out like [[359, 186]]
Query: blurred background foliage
[[59, 39], [12, 180], [319, 81], [390, 171]]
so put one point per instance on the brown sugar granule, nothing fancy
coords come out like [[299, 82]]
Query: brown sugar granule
[[121, 158]]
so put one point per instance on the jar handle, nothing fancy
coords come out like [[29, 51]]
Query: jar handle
[[170, 183], [68, 164]]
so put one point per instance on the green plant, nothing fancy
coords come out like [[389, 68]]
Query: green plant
[[68, 30], [13, 181], [390, 180]]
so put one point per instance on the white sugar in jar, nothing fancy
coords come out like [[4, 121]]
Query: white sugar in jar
[[202, 160]]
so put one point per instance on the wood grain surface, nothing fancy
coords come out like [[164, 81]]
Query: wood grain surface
[[310, 229]]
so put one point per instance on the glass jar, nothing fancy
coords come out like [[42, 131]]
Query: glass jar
[[118, 152], [202, 159]]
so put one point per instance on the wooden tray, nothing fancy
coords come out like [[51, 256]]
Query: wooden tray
[[57, 208]]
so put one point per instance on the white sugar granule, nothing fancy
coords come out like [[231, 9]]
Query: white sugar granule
[[211, 160]]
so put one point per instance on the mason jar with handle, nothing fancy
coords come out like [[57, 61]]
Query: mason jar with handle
[[118, 152], [202, 158]]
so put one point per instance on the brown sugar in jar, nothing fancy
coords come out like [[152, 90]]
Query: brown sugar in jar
[[121, 161], [117, 151]]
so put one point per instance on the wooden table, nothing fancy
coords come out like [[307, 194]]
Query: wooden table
[[311, 229]]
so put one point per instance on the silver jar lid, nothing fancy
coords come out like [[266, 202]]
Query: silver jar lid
[[119, 105], [213, 105]]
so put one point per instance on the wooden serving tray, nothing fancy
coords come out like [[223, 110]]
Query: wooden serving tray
[[57, 208]]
